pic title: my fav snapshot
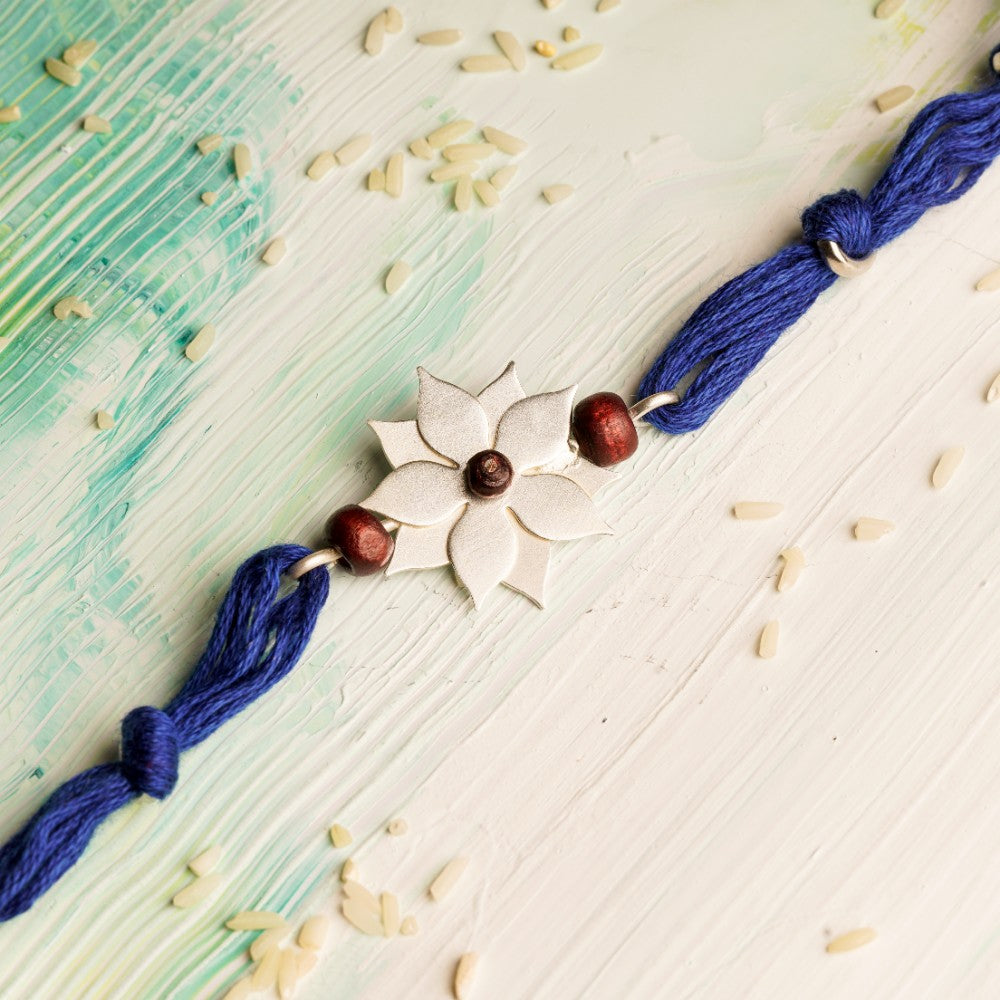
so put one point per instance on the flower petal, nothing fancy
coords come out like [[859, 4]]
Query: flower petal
[[531, 567], [589, 477], [483, 547], [499, 396], [450, 420], [419, 493], [555, 507], [402, 443], [422, 548], [535, 430]]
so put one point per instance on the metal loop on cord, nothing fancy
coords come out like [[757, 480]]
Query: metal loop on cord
[[321, 557], [843, 265], [638, 410]]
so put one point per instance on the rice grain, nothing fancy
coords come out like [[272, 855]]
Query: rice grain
[[544, 48], [397, 827], [10, 113], [870, 529], [105, 421], [313, 933], [71, 305], [197, 891], [578, 57], [465, 972], [485, 64], [79, 52], [375, 35], [503, 176], [240, 990], [288, 973], [376, 179], [275, 251], [393, 20], [893, 97], [408, 927], [555, 193], [95, 123], [266, 974], [349, 871], [353, 150], [571, 34], [463, 193], [993, 392], [487, 193], [268, 942], [399, 274], [512, 49], [209, 143], [205, 862], [756, 510], [446, 134], [200, 344], [443, 36], [886, 8], [242, 161], [361, 917], [321, 165], [857, 938], [447, 878], [390, 914], [340, 836], [794, 562], [209, 197], [362, 896], [452, 171], [58, 70], [255, 920], [504, 141], [394, 175], [468, 151], [422, 148], [603, 6], [767, 645], [946, 467], [989, 283]]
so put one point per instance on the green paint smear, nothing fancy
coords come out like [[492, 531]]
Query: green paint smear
[[116, 220]]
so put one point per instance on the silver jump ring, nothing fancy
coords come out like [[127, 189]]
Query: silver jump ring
[[638, 410], [840, 263], [321, 557]]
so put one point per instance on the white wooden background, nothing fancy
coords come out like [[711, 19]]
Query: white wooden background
[[650, 811]]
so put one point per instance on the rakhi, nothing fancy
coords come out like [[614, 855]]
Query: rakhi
[[488, 482]]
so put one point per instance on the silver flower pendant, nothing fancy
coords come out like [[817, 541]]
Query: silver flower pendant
[[486, 483]]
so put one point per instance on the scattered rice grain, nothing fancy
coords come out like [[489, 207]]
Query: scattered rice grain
[[555, 193], [893, 97], [362, 896], [443, 36], [993, 392], [376, 179], [288, 973], [452, 171], [275, 251], [205, 862], [504, 141], [946, 467], [390, 914], [321, 165], [200, 344], [408, 927], [468, 151], [349, 871], [989, 283], [886, 8], [503, 176], [857, 938], [422, 149], [255, 920], [266, 974], [603, 6], [447, 878], [794, 562], [340, 836], [11, 113], [485, 64], [767, 645], [209, 197], [551, 4], [397, 827], [446, 134], [375, 35], [465, 972], [307, 962], [241, 989], [105, 421], [79, 52], [313, 933], [95, 123], [995, 62], [71, 305], [362, 917], [870, 529], [242, 161], [353, 150], [209, 143], [488, 194], [394, 175], [198, 890], [756, 510], [399, 274], [268, 941], [463, 193], [60, 71], [578, 57], [571, 34], [512, 49], [393, 20], [544, 48]]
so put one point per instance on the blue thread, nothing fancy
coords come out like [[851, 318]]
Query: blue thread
[[943, 153], [256, 641]]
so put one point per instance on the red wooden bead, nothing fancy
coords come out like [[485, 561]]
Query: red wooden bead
[[489, 474], [604, 430], [364, 544]]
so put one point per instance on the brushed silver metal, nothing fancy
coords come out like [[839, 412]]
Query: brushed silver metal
[[321, 557], [638, 410], [840, 263]]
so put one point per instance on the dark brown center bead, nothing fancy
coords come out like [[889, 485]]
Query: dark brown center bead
[[604, 430], [489, 474], [365, 546]]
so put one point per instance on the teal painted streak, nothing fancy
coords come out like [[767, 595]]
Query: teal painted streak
[[145, 261]]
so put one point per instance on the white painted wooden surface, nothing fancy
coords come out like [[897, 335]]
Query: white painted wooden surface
[[650, 811]]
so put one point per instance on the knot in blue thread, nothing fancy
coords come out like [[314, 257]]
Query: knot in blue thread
[[150, 751], [843, 217]]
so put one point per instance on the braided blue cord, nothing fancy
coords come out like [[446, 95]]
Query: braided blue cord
[[943, 153], [256, 641]]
